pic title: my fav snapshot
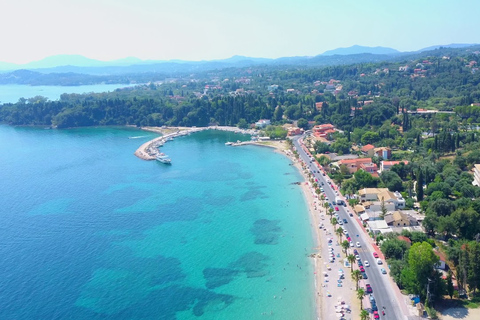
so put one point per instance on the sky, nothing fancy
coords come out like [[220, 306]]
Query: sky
[[216, 29]]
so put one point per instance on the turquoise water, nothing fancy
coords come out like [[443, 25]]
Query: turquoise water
[[11, 93], [89, 231]]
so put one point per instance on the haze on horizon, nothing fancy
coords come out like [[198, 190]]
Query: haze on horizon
[[218, 29]]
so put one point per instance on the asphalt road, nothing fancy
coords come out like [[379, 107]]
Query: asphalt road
[[382, 287]]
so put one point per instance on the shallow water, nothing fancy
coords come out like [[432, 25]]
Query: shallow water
[[89, 231]]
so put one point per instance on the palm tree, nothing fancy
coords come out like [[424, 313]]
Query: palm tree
[[351, 258], [330, 211], [326, 205], [356, 275], [360, 295], [339, 233], [345, 245], [334, 221], [364, 314]]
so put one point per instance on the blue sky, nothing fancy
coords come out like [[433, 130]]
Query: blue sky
[[214, 29]]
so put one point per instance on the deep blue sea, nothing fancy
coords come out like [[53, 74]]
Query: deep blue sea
[[89, 231]]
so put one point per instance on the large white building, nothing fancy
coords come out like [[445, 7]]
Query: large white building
[[379, 194]]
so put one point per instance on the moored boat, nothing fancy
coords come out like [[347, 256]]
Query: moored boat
[[163, 158]]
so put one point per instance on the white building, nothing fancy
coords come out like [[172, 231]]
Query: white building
[[476, 175], [262, 123], [379, 194]]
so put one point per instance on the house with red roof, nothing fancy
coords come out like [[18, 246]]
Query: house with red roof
[[322, 131], [368, 150], [353, 165]]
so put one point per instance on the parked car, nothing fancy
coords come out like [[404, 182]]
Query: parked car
[[376, 315], [362, 269], [351, 244], [355, 252], [364, 275], [375, 255], [368, 288], [357, 257]]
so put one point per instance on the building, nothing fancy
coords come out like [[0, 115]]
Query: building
[[384, 152], [368, 150], [387, 165], [322, 131], [476, 175], [262, 123], [397, 219], [294, 131], [442, 260], [353, 165], [379, 194]]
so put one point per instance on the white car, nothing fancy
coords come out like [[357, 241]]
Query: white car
[[358, 244], [345, 231], [366, 264], [351, 244], [357, 257]]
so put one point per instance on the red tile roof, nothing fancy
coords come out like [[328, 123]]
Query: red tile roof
[[367, 147]]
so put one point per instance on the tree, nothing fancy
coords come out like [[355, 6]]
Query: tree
[[364, 314], [450, 288], [394, 248], [421, 262], [360, 295], [302, 123], [339, 232], [242, 124], [383, 208], [356, 276], [365, 179], [351, 259], [370, 137], [420, 185], [392, 180], [345, 245]]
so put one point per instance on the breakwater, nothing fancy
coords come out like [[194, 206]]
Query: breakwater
[[150, 150]]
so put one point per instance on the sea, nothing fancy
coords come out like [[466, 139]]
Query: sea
[[11, 93], [89, 231]]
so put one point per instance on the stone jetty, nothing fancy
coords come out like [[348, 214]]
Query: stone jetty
[[150, 150]]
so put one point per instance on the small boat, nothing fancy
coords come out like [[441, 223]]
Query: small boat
[[163, 158], [228, 143]]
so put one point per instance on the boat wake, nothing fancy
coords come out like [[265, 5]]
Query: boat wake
[[137, 137]]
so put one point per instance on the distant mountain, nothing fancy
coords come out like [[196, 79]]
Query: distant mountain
[[360, 49], [452, 45]]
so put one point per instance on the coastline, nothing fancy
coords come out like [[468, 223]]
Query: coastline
[[149, 150]]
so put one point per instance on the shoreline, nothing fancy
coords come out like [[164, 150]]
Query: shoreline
[[147, 152]]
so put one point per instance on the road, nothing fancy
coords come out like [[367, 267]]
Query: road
[[382, 287]]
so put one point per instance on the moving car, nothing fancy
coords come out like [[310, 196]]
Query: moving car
[[358, 244], [379, 261], [383, 270], [375, 255], [336, 209], [345, 221], [366, 263]]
